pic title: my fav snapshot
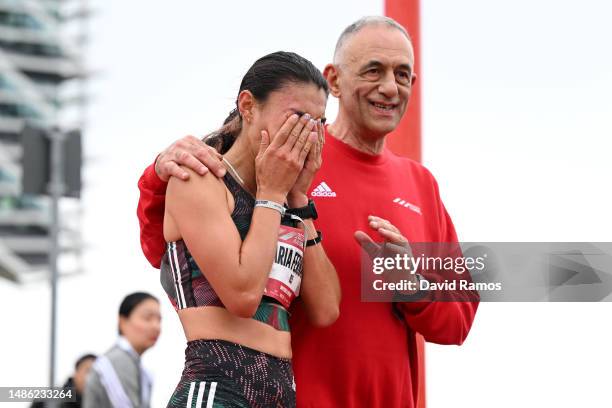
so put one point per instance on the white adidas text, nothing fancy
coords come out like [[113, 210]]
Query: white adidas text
[[323, 190]]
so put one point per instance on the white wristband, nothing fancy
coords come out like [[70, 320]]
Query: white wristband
[[270, 204]]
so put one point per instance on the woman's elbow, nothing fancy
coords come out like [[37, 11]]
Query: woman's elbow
[[325, 317], [243, 305]]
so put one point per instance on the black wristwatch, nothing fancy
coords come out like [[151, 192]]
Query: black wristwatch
[[309, 211]]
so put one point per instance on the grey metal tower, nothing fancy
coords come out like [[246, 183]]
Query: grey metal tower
[[42, 83]]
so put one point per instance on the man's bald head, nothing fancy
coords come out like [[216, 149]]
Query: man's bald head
[[358, 26], [372, 77]]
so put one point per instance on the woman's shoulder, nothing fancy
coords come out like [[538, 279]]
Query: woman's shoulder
[[196, 184]]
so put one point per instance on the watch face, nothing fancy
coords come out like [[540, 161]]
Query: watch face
[[313, 210], [308, 211]]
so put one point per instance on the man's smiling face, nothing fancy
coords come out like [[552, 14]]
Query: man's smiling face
[[375, 77]]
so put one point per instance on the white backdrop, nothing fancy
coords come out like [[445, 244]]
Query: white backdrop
[[516, 120]]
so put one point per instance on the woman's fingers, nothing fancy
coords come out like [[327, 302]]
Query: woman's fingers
[[321, 140], [264, 143], [303, 135], [296, 131], [309, 146], [321, 131], [284, 132]]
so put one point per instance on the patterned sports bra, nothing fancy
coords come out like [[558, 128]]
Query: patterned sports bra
[[186, 285]]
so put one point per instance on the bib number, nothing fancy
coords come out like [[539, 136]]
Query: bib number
[[285, 277]]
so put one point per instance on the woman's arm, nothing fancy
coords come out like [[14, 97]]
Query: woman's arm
[[320, 291], [238, 270]]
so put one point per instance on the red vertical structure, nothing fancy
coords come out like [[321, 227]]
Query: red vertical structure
[[406, 139]]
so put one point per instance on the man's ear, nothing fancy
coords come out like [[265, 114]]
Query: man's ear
[[331, 74], [246, 103], [413, 79]]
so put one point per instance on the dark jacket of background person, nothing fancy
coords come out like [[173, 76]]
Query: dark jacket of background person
[[76, 382], [76, 404]]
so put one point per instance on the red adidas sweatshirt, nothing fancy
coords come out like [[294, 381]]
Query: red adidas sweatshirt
[[368, 358]]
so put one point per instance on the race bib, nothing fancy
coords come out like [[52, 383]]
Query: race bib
[[286, 275]]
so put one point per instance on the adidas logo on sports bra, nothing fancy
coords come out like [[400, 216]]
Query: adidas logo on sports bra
[[323, 190]]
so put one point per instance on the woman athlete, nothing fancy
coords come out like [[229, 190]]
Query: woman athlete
[[242, 248]]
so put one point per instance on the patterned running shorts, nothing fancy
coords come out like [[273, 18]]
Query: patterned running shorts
[[221, 374]]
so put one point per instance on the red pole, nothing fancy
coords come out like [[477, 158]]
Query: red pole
[[406, 139]]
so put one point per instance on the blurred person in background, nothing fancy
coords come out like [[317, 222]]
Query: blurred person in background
[[117, 378], [76, 382]]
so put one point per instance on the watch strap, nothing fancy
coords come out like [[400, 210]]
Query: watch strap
[[309, 211], [315, 240]]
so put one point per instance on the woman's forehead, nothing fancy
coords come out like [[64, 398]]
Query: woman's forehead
[[308, 98]]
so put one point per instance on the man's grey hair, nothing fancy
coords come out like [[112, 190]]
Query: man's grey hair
[[365, 22]]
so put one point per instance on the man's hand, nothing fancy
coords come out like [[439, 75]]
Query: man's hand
[[192, 153], [394, 244], [387, 231]]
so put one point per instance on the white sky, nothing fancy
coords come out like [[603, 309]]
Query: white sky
[[516, 126]]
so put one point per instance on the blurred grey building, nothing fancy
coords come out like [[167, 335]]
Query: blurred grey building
[[42, 80]]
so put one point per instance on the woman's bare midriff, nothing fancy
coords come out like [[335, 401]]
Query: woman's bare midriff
[[216, 323]]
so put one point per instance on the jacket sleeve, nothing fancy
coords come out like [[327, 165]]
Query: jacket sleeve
[[94, 394], [150, 213], [442, 322]]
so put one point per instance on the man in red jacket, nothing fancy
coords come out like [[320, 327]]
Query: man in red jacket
[[363, 193]]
